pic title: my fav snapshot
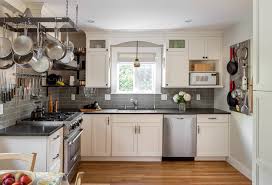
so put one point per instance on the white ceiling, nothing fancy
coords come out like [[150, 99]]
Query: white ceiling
[[158, 14]]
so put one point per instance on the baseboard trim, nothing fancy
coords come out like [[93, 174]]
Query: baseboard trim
[[210, 158], [240, 167], [145, 159]]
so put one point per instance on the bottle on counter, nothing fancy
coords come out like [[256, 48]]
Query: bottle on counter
[[50, 104], [56, 107]]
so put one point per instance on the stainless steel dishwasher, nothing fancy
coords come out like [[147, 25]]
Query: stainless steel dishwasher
[[179, 136]]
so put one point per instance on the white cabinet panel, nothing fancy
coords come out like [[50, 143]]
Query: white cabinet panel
[[100, 135], [97, 69], [176, 70], [150, 139], [213, 49], [197, 49], [205, 49], [86, 136], [124, 139], [212, 139], [262, 138], [262, 40]]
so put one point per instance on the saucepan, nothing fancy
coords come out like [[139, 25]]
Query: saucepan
[[5, 46]]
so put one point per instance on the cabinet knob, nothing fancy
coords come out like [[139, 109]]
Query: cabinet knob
[[206, 57], [166, 84], [107, 49], [167, 49], [203, 57]]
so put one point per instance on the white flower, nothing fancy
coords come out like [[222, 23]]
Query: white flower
[[182, 93], [176, 98], [187, 97]]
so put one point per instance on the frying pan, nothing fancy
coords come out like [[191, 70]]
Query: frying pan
[[5, 45], [232, 66], [232, 102], [23, 44]]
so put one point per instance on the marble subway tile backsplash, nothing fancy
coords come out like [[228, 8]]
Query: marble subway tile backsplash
[[119, 100]]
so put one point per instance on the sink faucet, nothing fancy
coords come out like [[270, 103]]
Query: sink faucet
[[135, 103]]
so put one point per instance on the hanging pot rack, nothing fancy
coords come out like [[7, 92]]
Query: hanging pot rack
[[16, 24]]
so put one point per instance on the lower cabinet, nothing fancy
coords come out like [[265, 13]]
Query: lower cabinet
[[96, 138], [121, 135], [212, 136]]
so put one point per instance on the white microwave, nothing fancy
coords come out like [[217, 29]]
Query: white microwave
[[204, 78]]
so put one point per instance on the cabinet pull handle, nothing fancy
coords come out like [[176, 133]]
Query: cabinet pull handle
[[56, 137], [57, 156], [108, 121], [135, 129], [212, 118], [198, 129], [179, 118]]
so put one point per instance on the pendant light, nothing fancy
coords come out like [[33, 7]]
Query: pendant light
[[136, 61]]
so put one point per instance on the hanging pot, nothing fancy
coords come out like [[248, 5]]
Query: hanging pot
[[232, 102], [5, 45], [40, 63], [23, 45], [54, 49], [232, 66], [69, 51]]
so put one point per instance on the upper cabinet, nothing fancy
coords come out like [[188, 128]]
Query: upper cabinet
[[97, 69], [262, 46], [97, 45], [176, 45], [205, 49], [176, 70]]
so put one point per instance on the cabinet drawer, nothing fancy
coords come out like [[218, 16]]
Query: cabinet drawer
[[213, 118], [54, 147], [132, 118]]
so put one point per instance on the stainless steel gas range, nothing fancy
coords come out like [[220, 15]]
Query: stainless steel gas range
[[71, 122]]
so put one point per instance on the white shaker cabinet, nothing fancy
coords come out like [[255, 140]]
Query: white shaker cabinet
[[97, 69], [96, 140], [212, 135], [176, 70], [86, 136], [205, 49], [124, 139], [137, 135], [262, 40]]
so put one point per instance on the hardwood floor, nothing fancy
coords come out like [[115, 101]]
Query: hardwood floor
[[165, 173]]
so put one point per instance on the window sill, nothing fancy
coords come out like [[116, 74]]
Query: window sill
[[136, 93]]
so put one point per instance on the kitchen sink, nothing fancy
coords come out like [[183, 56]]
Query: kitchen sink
[[137, 110]]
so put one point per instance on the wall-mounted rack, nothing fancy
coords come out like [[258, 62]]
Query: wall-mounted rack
[[17, 24], [27, 75]]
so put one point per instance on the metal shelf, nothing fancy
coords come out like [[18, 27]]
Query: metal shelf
[[17, 24]]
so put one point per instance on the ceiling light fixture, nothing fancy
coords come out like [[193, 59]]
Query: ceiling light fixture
[[90, 21], [188, 20], [137, 61]]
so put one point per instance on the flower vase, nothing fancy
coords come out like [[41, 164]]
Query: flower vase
[[182, 107]]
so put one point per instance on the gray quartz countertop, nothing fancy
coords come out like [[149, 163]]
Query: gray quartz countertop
[[29, 130], [158, 111]]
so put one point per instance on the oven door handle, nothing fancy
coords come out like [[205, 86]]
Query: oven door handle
[[72, 142]]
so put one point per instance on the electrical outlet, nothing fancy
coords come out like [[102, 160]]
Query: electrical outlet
[[198, 97], [107, 97], [164, 97], [73, 97], [1, 109]]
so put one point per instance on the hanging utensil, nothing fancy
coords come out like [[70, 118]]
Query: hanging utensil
[[23, 44], [232, 66], [244, 108], [244, 78], [5, 45]]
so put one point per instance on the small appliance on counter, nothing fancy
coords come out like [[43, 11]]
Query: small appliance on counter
[[204, 78], [91, 107]]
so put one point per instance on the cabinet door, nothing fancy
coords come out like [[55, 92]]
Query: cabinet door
[[197, 49], [100, 135], [212, 139], [86, 136], [262, 155], [176, 70], [149, 139], [262, 40], [124, 139], [97, 69], [213, 49]]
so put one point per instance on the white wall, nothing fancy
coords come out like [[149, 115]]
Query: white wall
[[241, 126]]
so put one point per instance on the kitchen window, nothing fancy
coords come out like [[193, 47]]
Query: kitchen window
[[127, 79]]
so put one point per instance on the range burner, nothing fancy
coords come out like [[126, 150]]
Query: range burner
[[56, 116]]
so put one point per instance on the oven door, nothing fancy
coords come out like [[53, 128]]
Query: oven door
[[72, 152]]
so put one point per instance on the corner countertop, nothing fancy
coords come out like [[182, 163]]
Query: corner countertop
[[29, 130], [158, 111]]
